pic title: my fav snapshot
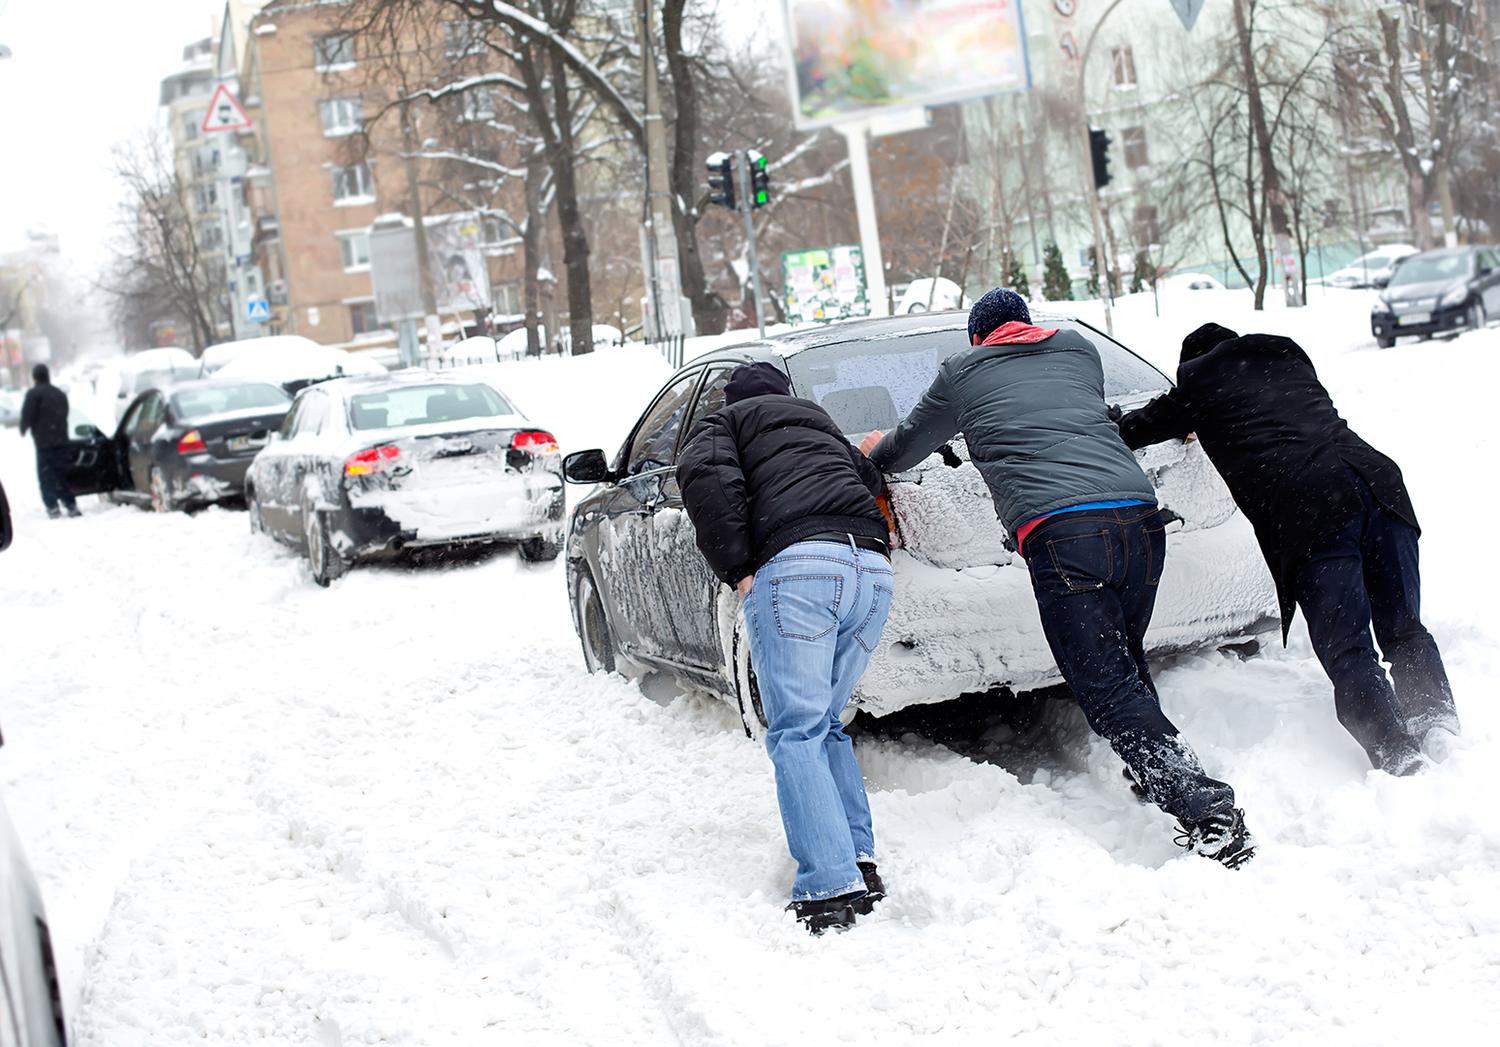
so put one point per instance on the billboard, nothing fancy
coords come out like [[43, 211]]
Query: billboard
[[854, 58], [456, 260], [823, 284]]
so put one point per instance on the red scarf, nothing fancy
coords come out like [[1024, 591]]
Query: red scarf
[[1014, 332]]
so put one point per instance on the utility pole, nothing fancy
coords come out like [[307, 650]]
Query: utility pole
[[419, 234], [664, 276], [1096, 213], [1280, 227], [747, 204]]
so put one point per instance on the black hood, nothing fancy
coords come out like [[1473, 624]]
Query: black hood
[[758, 379], [1203, 340]]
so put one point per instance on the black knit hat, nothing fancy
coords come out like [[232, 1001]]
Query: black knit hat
[[1204, 339], [758, 379], [994, 310]]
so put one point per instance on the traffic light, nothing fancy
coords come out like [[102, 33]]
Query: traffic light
[[760, 179], [1099, 152], [721, 180]]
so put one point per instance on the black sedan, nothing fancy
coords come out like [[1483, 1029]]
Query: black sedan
[[181, 447], [367, 468], [1438, 292]]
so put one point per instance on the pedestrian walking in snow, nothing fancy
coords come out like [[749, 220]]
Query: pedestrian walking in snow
[[1334, 522], [785, 511], [44, 413], [1030, 403]]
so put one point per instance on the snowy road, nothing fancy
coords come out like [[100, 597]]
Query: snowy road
[[399, 812]]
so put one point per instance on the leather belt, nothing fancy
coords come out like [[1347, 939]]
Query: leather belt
[[874, 545]]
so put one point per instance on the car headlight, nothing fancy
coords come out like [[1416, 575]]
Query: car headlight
[[1380, 306], [1455, 296]]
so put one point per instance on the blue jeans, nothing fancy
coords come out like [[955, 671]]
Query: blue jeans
[[1362, 577], [1095, 575], [815, 615]]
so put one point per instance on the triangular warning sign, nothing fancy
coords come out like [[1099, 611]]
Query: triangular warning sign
[[224, 113]]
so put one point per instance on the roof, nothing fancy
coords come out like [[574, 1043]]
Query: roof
[[364, 383]]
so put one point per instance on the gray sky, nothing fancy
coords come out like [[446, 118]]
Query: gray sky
[[84, 75]]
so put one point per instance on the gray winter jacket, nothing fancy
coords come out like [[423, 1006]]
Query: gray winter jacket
[[1036, 424]]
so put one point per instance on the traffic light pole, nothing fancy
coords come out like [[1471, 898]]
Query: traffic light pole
[[858, 136], [747, 204], [1095, 211], [664, 275]]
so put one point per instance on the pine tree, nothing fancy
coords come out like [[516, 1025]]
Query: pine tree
[[1057, 285], [1144, 275], [1016, 278]]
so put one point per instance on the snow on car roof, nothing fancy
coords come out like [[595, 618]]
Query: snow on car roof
[[879, 328]]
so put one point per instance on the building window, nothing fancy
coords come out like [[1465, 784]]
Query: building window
[[1135, 147], [212, 237], [355, 248], [507, 299], [1147, 226], [207, 198], [362, 318], [191, 123], [479, 104], [462, 39], [341, 116], [353, 185], [1124, 65], [333, 51]]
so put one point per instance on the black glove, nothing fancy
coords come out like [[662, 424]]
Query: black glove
[[950, 456], [1115, 414]]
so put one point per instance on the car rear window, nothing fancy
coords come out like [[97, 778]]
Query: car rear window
[[424, 405], [874, 383], [190, 405]]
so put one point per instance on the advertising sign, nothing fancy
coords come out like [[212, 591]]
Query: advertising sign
[[456, 260], [854, 58], [824, 284]]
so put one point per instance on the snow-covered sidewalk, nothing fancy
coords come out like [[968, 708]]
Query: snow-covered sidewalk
[[399, 812]]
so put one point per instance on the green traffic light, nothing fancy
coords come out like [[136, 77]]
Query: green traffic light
[[762, 197]]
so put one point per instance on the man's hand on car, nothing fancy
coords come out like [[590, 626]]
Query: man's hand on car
[[868, 443], [743, 588]]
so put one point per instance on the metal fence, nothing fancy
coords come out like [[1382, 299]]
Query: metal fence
[[672, 348]]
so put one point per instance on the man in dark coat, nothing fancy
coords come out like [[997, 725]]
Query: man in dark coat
[[44, 413], [1030, 403], [1333, 520], [785, 511]]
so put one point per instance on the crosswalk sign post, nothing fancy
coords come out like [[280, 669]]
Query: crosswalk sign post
[[257, 310]]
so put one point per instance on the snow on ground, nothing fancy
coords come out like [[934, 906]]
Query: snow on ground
[[399, 812]]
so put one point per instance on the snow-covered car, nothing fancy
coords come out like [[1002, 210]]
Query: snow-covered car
[[365, 468], [31, 1013], [930, 295], [1370, 270], [180, 447], [293, 362], [603, 337], [1190, 282], [10, 406], [964, 619], [149, 369], [1438, 292]]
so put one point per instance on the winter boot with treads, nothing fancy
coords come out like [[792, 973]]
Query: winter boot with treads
[[874, 889], [1221, 836], [822, 914]]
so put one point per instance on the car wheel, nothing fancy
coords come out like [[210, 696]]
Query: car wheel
[[593, 625], [322, 558], [1477, 317], [161, 495], [257, 515], [746, 686], [1385, 343], [539, 549]]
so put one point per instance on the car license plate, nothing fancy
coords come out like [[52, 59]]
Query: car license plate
[[245, 443], [1413, 318]]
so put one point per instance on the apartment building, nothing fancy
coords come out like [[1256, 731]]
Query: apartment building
[[328, 158]]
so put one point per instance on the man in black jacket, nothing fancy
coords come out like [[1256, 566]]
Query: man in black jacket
[[1030, 403], [44, 413], [785, 511], [1333, 520]]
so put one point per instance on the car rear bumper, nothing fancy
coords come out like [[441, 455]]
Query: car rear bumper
[[976, 629], [1456, 318], [203, 479], [518, 506]]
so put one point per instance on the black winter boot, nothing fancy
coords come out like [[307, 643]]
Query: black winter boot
[[1221, 836], [821, 914], [874, 889]]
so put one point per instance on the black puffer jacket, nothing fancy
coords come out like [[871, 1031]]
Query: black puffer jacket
[[767, 472], [44, 413], [1273, 433]]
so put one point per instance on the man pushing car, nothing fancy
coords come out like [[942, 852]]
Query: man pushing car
[[784, 509], [1030, 403]]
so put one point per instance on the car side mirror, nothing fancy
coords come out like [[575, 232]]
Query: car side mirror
[[586, 467], [87, 432]]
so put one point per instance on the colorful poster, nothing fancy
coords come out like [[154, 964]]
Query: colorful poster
[[854, 58], [824, 284]]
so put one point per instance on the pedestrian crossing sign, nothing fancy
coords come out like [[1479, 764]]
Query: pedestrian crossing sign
[[258, 310], [224, 113]]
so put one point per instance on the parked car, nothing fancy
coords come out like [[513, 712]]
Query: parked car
[[1370, 270], [293, 362], [183, 446], [31, 1013], [964, 619], [365, 468], [149, 369], [10, 406], [1189, 282], [1436, 292], [930, 295]]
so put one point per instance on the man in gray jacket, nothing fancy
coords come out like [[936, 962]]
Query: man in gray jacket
[[1030, 403]]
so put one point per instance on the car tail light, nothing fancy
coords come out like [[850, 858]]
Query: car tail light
[[370, 460], [191, 443], [537, 441]]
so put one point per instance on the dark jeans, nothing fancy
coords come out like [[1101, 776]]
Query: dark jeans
[[1366, 576], [52, 464], [1095, 574]]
